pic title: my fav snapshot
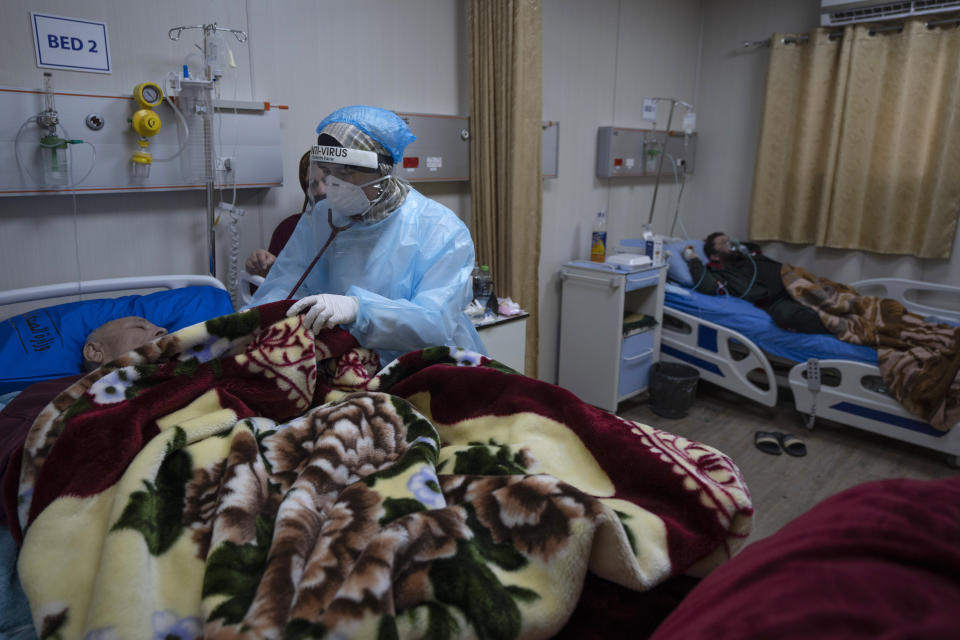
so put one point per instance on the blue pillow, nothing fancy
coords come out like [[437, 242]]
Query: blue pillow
[[47, 343], [677, 269]]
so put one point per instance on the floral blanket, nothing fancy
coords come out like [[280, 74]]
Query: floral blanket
[[241, 478], [919, 360]]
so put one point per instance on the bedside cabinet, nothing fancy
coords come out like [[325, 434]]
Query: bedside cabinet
[[602, 360]]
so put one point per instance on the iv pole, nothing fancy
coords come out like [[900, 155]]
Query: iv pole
[[663, 152], [208, 31]]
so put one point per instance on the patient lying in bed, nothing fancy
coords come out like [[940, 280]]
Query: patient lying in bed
[[114, 338], [232, 485], [746, 273], [919, 360], [105, 343]]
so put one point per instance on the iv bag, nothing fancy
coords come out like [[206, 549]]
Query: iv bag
[[216, 53]]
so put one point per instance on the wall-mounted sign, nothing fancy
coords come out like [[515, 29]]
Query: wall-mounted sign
[[70, 43], [649, 109]]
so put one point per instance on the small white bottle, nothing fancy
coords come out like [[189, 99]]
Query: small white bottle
[[598, 239]]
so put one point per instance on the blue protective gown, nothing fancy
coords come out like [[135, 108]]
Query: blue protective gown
[[410, 273]]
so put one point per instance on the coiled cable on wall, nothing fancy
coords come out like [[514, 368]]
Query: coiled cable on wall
[[233, 274]]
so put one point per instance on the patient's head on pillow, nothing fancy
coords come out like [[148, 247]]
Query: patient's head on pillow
[[115, 338]]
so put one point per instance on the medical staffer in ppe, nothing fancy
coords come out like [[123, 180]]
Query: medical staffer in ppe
[[398, 278]]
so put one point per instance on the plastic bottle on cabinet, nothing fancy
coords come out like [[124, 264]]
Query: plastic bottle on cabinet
[[475, 279], [484, 288], [598, 239]]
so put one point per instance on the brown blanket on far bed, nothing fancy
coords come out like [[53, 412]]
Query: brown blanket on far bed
[[919, 361]]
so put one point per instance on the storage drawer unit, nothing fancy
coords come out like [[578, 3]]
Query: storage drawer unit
[[596, 362], [636, 357]]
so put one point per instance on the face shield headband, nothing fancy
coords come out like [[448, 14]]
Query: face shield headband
[[341, 155]]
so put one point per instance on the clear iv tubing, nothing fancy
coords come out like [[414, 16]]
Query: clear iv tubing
[[16, 149], [236, 142], [681, 185], [752, 280], [23, 167], [186, 132]]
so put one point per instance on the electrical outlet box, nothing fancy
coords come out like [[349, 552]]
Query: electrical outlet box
[[224, 163]]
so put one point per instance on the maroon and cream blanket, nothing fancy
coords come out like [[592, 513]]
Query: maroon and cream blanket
[[242, 478], [919, 360]]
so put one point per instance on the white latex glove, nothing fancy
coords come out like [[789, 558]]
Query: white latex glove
[[325, 310], [688, 253]]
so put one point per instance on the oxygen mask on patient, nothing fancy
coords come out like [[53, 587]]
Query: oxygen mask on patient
[[734, 247]]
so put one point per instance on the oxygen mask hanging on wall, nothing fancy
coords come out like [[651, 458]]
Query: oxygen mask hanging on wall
[[146, 124]]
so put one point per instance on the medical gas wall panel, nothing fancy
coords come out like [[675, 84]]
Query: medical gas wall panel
[[441, 152], [242, 146], [626, 152]]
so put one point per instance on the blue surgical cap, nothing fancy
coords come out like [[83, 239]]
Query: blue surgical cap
[[384, 126]]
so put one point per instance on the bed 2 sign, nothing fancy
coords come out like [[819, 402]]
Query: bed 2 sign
[[70, 43]]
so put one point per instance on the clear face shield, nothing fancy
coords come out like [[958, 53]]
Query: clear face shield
[[342, 174]]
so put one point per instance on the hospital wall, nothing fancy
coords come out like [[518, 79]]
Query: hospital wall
[[732, 81], [599, 61], [312, 55], [600, 58]]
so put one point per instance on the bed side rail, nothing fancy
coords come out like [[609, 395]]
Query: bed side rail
[[705, 345], [859, 400], [905, 291], [29, 294], [246, 279]]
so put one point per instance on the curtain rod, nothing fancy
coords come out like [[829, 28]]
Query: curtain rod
[[834, 35]]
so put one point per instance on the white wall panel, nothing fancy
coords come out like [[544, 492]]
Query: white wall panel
[[312, 55], [599, 60]]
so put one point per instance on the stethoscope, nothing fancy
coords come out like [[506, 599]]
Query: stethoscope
[[334, 230]]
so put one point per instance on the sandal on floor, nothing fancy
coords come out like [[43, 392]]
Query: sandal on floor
[[768, 442], [793, 445]]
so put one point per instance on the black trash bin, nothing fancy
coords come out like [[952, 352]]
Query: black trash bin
[[673, 388]]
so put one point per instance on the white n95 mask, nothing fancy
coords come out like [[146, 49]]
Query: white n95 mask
[[348, 199]]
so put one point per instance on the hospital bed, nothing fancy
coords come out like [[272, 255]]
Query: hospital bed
[[198, 402], [735, 345], [45, 343], [41, 337]]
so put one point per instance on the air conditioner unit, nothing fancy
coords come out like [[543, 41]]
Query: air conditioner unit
[[837, 13]]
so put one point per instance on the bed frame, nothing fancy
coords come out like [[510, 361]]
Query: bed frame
[[108, 285], [851, 393]]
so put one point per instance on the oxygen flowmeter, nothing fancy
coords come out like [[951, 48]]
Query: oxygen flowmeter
[[146, 123], [53, 149]]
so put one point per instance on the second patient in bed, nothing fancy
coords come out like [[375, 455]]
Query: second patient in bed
[[113, 339], [744, 272]]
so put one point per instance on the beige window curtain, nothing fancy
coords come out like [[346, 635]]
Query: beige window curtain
[[505, 126], [860, 141]]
